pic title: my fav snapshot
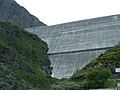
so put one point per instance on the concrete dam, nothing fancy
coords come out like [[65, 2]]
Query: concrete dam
[[73, 45]]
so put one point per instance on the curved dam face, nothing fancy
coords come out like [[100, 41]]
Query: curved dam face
[[73, 45]]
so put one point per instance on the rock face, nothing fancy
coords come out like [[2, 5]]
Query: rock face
[[11, 11], [24, 64], [75, 44]]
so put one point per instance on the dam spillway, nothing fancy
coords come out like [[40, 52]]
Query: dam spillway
[[75, 44]]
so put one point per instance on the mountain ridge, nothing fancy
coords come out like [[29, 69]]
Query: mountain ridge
[[11, 11]]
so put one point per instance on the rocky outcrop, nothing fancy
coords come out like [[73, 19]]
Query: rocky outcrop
[[11, 11], [46, 70]]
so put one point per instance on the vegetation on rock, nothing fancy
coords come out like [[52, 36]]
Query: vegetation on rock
[[24, 63]]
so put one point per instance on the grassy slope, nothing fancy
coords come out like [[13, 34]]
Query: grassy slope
[[104, 60], [21, 53], [96, 74]]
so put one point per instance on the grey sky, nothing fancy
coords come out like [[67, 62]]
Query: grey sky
[[60, 11]]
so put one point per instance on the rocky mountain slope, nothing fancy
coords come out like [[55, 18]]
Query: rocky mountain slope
[[24, 64], [11, 11]]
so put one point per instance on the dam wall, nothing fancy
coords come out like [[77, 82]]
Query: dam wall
[[73, 45]]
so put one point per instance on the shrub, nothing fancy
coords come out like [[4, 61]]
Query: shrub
[[97, 77]]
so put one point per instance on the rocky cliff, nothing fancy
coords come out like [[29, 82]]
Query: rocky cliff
[[11, 11], [24, 63]]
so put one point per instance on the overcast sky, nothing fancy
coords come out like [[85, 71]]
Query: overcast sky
[[60, 11]]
